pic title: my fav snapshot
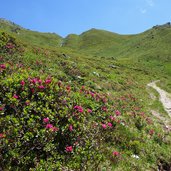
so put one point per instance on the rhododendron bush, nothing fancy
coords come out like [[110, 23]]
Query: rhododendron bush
[[46, 120], [47, 123], [41, 118]]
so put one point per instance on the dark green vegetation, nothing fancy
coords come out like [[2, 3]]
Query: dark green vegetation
[[80, 102]]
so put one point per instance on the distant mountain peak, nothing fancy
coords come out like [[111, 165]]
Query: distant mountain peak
[[166, 25], [2, 20]]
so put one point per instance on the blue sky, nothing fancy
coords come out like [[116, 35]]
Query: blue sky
[[76, 16]]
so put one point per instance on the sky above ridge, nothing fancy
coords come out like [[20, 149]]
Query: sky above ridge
[[76, 16]]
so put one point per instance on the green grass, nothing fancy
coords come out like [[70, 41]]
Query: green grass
[[112, 64]]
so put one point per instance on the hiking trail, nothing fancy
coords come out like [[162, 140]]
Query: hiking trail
[[165, 99]]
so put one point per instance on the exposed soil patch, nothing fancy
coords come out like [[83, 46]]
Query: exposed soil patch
[[166, 101], [164, 97]]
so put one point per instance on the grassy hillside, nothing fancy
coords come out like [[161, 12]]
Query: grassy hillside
[[31, 37], [83, 104]]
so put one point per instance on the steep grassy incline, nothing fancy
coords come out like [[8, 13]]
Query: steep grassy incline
[[96, 42], [31, 37], [149, 51], [82, 103], [154, 42]]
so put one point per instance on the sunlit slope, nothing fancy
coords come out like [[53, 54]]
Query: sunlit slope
[[31, 37]]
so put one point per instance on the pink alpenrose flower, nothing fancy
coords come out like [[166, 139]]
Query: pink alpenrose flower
[[104, 126], [117, 112], [15, 96], [70, 128], [22, 82], [109, 125], [89, 110], [68, 149], [46, 120], [116, 153], [49, 126], [78, 108]]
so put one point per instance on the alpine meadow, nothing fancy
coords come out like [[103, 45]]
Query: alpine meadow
[[95, 101]]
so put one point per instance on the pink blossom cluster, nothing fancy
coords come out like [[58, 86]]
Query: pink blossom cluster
[[116, 153], [15, 96], [68, 149], [104, 108], [2, 135], [50, 126], [79, 108], [2, 66], [70, 128], [22, 82], [89, 110], [118, 113], [10, 46], [109, 124]]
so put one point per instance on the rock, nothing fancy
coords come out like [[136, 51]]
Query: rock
[[113, 66]]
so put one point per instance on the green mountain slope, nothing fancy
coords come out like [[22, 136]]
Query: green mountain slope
[[82, 102], [95, 41], [102, 42], [31, 37]]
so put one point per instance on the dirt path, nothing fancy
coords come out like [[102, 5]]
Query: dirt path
[[165, 99]]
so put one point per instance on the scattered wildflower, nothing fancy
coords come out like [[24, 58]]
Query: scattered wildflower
[[149, 121], [135, 156], [34, 80], [104, 108], [109, 125], [71, 128], [2, 135], [83, 88], [89, 110], [92, 94], [9, 46], [22, 82], [76, 143], [68, 149], [3, 66], [122, 123], [104, 100], [118, 121], [40, 81], [48, 81], [151, 131], [68, 88], [116, 153], [54, 129], [78, 108], [41, 87], [112, 118], [15, 96], [49, 126], [104, 126], [27, 102], [117, 112], [46, 120]]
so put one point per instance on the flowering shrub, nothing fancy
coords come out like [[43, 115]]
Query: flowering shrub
[[42, 118], [48, 124], [8, 44]]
